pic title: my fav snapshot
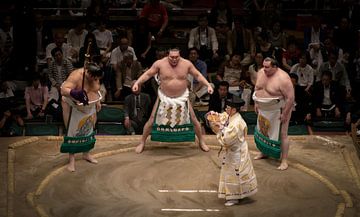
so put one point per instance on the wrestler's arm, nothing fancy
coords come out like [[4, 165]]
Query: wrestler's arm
[[151, 72], [198, 76], [70, 83], [287, 91]]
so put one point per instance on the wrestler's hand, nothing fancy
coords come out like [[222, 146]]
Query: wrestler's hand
[[80, 95], [210, 89], [135, 88]]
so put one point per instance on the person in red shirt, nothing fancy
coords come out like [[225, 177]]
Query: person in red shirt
[[157, 17]]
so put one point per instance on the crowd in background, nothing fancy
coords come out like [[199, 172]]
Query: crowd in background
[[322, 57]]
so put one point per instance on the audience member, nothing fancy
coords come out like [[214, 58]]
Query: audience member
[[59, 70], [262, 45], [157, 17], [142, 43], [93, 49], [117, 54], [344, 37], [128, 70], [199, 65], [36, 99], [95, 12], [314, 35], [301, 111], [337, 69], [221, 19], [204, 39], [104, 38], [59, 41], [327, 98], [291, 55], [76, 37], [277, 37], [9, 114], [255, 67], [240, 39], [304, 72], [217, 101], [6, 40], [137, 112]]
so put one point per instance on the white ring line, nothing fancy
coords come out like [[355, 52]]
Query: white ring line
[[187, 191], [190, 210]]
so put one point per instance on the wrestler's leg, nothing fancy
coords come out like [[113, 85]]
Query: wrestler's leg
[[87, 156], [66, 115], [198, 131], [260, 156], [147, 129], [71, 164], [284, 146], [66, 112]]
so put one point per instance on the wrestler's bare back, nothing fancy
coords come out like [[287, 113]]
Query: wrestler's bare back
[[271, 86], [173, 79]]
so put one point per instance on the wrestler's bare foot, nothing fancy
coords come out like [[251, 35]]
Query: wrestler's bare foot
[[260, 156], [140, 148], [284, 165], [204, 147], [89, 158], [71, 165]]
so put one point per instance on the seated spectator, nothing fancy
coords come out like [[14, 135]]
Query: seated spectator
[[142, 43], [240, 39], [104, 38], [301, 111], [199, 65], [117, 54], [218, 99], [304, 72], [59, 41], [264, 46], [255, 67], [327, 98], [128, 71], [36, 99], [44, 37], [59, 70], [76, 37], [8, 112], [221, 19], [217, 102], [314, 35], [291, 55], [137, 112], [337, 69], [277, 37], [204, 39], [93, 49], [232, 72], [96, 11], [157, 17]]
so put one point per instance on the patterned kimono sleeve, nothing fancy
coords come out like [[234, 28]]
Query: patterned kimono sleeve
[[229, 136]]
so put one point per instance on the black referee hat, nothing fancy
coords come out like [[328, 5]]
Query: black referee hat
[[235, 103]]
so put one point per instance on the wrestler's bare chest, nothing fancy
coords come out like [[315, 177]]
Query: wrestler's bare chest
[[173, 73], [268, 87]]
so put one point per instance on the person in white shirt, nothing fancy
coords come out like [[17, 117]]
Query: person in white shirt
[[304, 72], [104, 39], [76, 37]]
